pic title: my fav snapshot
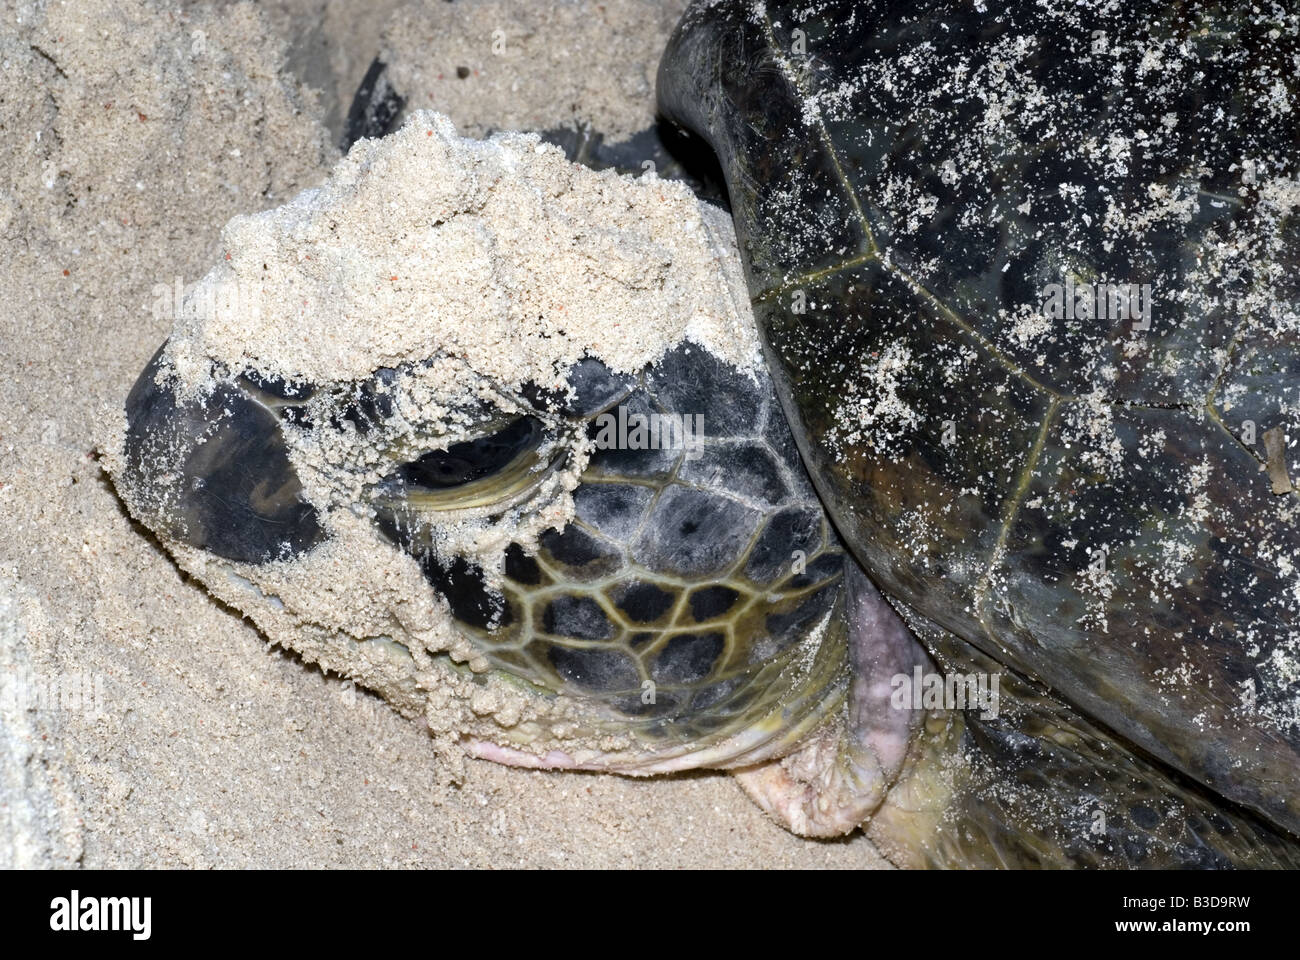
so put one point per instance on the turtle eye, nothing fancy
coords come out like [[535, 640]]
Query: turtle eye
[[475, 459]]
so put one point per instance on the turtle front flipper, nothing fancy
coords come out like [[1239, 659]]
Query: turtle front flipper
[[1031, 783]]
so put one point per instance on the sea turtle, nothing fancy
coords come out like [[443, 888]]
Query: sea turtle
[[1053, 500]]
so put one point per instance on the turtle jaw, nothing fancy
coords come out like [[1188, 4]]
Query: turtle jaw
[[213, 472]]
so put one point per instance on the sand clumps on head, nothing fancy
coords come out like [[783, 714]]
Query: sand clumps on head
[[499, 252], [458, 272], [471, 268]]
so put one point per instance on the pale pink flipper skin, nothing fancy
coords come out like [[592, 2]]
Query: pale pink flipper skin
[[836, 779], [512, 757]]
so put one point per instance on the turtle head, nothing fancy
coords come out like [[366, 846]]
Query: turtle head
[[647, 543]]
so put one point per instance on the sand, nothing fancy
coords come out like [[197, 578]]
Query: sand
[[142, 723]]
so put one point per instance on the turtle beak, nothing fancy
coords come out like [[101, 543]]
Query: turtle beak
[[214, 472]]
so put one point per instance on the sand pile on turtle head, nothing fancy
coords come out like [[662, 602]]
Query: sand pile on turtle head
[[424, 293]]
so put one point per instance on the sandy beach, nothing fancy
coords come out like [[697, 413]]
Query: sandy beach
[[142, 722]]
